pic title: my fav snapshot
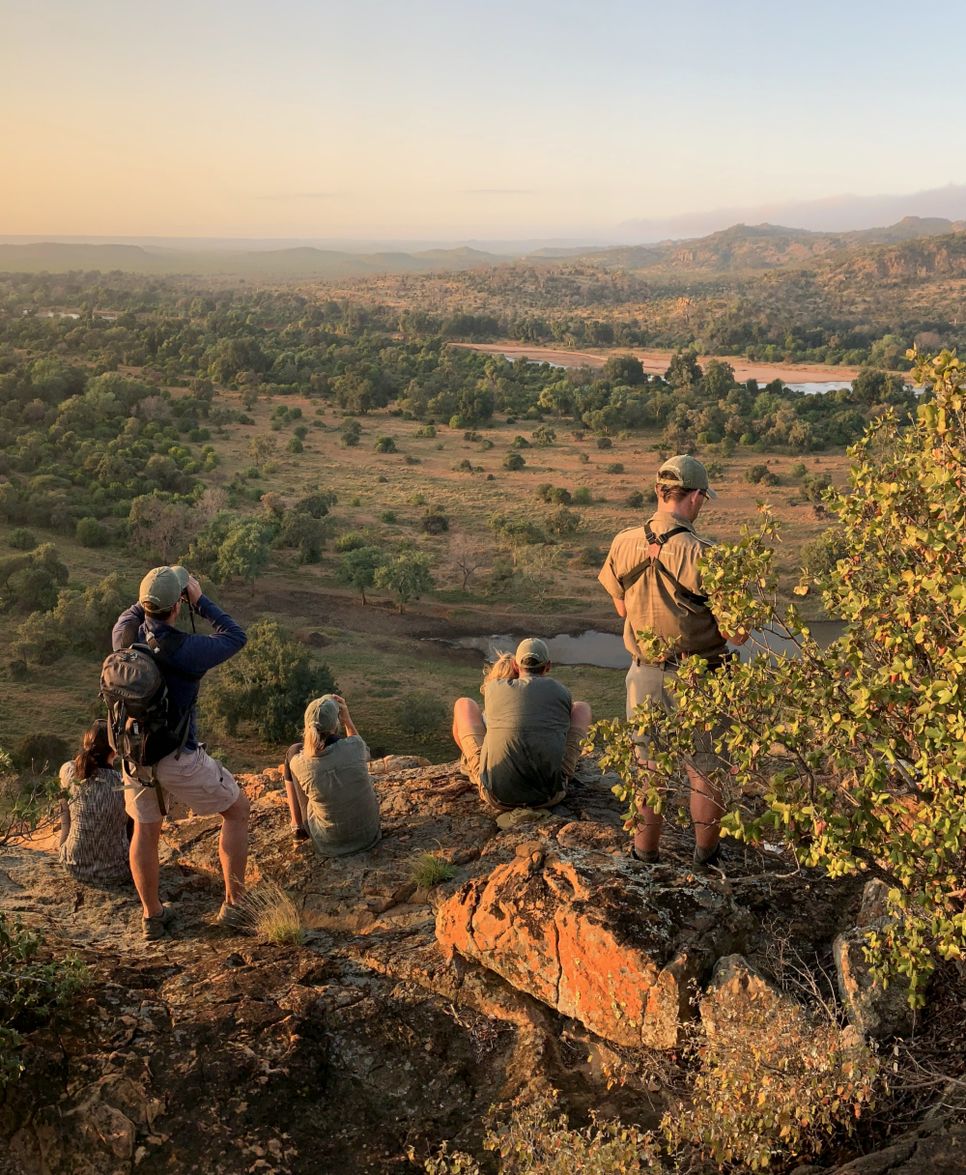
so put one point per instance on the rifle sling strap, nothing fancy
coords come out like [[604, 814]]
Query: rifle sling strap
[[629, 578]]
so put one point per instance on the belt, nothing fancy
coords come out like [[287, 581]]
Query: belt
[[713, 663]]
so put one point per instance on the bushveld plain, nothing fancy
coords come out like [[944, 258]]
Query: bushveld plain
[[484, 583]]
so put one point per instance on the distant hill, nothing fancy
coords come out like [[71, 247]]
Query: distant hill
[[743, 248], [740, 250], [299, 262]]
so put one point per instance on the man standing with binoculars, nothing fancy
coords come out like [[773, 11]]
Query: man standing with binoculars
[[188, 773]]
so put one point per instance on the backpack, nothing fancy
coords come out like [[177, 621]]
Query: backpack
[[141, 727]]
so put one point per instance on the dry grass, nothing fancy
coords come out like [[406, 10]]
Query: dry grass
[[271, 916], [428, 870]]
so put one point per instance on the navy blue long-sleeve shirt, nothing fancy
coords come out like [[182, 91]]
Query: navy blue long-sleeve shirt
[[186, 665]]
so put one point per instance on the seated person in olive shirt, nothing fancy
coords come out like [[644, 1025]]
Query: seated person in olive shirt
[[529, 745], [330, 795]]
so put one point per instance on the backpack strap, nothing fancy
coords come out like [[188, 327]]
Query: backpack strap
[[163, 651], [655, 543]]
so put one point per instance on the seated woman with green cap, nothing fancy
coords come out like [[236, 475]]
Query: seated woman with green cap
[[330, 795]]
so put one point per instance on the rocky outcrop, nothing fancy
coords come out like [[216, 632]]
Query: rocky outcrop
[[937, 1147], [205, 1051], [617, 949]]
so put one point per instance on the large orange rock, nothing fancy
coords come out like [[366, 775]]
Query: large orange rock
[[617, 948]]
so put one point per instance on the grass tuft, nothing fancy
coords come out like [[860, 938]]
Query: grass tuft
[[271, 915], [429, 870]]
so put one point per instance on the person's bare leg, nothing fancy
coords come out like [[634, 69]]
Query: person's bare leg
[[647, 834], [467, 719], [145, 867], [580, 720], [233, 848], [296, 802], [706, 810]]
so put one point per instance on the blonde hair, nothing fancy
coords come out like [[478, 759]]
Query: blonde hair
[[313, 741], [504, 668]]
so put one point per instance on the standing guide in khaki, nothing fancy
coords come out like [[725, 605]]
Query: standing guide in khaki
[[652, 574]]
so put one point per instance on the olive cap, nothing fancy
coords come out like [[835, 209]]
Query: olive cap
[[687, 472], [532, 653], [162, 588], [323, 714]]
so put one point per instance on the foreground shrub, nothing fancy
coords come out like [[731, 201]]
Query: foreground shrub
[[537, 1139], [429, 870], [859, 749], [772, 1083], [270, 915], [32, 991]]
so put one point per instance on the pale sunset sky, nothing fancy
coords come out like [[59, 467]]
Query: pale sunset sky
[[423, 118]]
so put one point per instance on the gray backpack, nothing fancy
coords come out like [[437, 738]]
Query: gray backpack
[[141, 727]]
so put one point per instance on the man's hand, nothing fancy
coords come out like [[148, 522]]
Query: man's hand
[[740, 636], [192, 591]]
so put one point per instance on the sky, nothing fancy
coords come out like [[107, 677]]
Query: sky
[[465, 119]]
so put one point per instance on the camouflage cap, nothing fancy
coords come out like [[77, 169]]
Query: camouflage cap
[[532, 653], [323, 714], [162, 588], [687, 472]]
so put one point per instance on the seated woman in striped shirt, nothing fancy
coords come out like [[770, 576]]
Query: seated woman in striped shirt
[[93, 828]]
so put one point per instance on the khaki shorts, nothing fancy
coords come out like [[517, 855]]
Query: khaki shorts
[[470, 766], [194, 779], [650, 682]]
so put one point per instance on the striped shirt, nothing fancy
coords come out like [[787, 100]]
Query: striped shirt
[[96, 848]]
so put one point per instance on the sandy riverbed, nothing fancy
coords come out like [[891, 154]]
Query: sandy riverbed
[[656, 362]]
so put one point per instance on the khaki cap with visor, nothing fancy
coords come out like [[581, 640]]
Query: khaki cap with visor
[[323, 714], [687, 472], [532, 653], [162, 588]]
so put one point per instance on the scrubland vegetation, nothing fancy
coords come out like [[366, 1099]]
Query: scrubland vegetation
[[282, 445]]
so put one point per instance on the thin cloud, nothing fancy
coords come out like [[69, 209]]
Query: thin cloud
[[499, 192]]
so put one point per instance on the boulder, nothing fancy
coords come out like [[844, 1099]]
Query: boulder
[[618, 949], [876, 1011], [875, 902], [735, 989], [938, 1147]]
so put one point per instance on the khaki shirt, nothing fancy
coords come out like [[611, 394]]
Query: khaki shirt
[[655, 602]]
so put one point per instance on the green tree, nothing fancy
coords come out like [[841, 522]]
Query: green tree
[[684, 371], [91, 533], [350, 433], [244, 552], [407, 576], [624, 370], [358, 568], [266, 686]]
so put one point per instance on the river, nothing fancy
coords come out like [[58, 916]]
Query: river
[[606, 649]]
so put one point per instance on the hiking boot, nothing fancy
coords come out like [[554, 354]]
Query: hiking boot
[[647, 857], [156, 926], [707, 858], [231, 918]]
